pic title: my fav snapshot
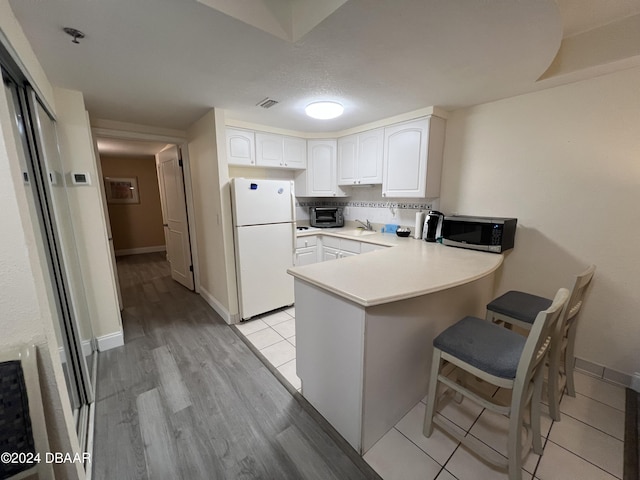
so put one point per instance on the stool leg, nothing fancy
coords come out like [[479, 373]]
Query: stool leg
[[427, 429], [569, 359], [554, 374], [535, 411], [514, 446]]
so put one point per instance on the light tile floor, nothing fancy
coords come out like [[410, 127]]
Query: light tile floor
[[586, 444]]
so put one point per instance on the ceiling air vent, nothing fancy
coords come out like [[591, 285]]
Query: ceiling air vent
[[267, 103]]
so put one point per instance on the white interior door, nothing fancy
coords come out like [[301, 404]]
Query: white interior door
[[105, 208], [174, 213]]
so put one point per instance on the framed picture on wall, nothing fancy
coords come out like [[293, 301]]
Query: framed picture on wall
[[122, 189]]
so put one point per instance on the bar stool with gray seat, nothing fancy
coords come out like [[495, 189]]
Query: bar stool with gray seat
[[521, 308], [505, 359]]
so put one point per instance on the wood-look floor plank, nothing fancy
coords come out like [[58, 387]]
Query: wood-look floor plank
[[186, 387], [310, 465], [174, 392], [159, 441]]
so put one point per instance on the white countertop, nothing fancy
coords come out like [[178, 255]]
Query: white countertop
[[410, 268]]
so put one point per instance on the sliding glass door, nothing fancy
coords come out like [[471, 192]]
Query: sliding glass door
[[46, 183]]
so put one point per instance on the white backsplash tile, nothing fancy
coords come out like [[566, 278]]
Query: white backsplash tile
[[367, 203]]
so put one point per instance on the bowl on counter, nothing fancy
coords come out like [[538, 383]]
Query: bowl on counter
[[403, 231]]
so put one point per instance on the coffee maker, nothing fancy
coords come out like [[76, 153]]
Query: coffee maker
[[431, 225]]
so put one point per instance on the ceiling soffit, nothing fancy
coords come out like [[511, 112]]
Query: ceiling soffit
[[286, 19]]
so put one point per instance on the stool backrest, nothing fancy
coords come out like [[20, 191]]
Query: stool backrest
[[539, 338], [577, 294]]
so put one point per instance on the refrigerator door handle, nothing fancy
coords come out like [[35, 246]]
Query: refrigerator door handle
[[294, 227], [294, 236]]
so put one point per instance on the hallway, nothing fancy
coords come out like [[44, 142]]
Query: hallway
[[186, 398]]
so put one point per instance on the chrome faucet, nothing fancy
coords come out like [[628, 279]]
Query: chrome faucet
[[367, 226]]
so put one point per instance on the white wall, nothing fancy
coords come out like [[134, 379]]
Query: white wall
[[566, 163], [89, 221], [211, 199]]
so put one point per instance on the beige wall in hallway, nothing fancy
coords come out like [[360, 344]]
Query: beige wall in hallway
[[212, 206], [566, 162], [136, 225]]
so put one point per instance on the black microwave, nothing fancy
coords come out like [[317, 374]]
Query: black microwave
[[488, 234]]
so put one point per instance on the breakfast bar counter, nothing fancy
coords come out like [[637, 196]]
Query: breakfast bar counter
[[410, 269], [365, 326]]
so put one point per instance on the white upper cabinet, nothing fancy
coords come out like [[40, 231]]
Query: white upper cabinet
[[412, 162], [240, 147], [269, 151], [347, 160], [319, 179], [295, 152], [279, 151], [360, 158]]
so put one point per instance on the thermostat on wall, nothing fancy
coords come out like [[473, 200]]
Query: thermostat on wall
[[80, 178]]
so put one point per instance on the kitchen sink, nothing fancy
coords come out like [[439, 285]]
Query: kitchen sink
[[358, 232]]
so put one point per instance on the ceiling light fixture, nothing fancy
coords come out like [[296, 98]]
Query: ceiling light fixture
[[324, 110]]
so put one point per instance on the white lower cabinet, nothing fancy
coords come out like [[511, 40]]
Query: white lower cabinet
[[320, 248], [306, 250], [330, 253], [334, 248], [306, 256]]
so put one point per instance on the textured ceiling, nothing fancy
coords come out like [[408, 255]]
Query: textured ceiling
[[166, 62]]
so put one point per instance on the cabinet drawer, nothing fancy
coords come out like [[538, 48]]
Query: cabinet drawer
[[332, 242], [351, 246], [306, 241]]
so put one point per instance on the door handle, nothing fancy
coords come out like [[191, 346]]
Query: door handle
[[165, 224]]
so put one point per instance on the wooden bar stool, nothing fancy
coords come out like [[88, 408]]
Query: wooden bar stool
[[520, 308], [505, 359]]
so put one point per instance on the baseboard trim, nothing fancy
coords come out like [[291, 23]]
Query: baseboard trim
[[87, 349], [137, 251], [600, 371], [109, 341], [216, 305]]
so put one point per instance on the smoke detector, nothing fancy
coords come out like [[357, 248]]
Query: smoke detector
[[75, 33]]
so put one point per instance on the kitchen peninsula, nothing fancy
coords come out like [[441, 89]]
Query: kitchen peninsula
[[365, 325]]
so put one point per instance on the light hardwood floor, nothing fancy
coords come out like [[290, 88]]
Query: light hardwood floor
[[186, 398]]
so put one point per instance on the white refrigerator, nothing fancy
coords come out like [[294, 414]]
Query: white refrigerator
[[264, 231]]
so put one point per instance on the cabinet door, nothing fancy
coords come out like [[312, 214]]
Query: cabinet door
[[295, 152], [329, 253], [405, 159], [240, 147], [321, 168], [370, 154], [350, 246], [347, 160], [269, 150], [306, 256], [412, 163]]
